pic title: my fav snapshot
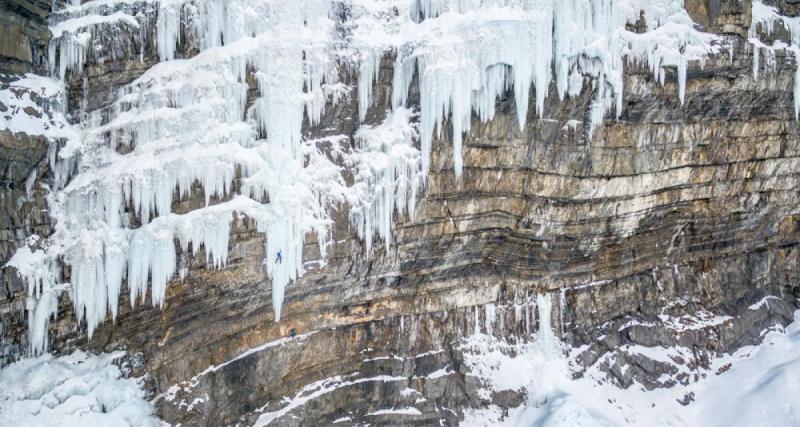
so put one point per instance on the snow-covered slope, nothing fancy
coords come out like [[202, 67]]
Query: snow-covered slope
[[755, 387]]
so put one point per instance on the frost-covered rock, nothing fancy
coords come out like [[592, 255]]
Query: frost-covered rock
[[34, 105]]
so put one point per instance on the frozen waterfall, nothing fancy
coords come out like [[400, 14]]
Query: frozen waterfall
[[191, 121]]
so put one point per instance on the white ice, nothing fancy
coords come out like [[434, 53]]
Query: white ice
[[386, 170]]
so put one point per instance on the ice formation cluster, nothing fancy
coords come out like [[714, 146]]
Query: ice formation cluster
[[191, 124]]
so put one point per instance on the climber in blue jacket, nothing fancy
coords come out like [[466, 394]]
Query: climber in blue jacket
[[279, 258]]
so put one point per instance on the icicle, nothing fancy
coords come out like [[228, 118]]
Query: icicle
[[797, 89], [40, 310], [764, 19], [284, 258], [427, 8], [387, 176], [477, 321], [30, 181], [168, 29], [756, 65], [40, 274], [563, 310], [546, 337], [72, 53], [72, 34], [491, 315], [682, 80], [368, 75], [527, 314]]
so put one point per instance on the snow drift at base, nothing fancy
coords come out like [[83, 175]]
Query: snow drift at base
[[78, 390]]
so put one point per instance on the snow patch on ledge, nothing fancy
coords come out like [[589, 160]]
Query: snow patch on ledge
[[173, 390], [397, 411], [763, 302], [315, 390], [33, 106]]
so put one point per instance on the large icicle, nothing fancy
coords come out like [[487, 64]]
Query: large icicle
[[546, 338], [387, 176]]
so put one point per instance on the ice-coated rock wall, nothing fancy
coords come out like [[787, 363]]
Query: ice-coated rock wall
[[304, 212], [188, 121]]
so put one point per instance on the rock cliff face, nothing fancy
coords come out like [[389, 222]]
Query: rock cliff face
[[23, 44], [23, 48], [676, 225]]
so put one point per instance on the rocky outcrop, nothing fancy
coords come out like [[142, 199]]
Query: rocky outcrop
[[23, 42], [721, 16], [23, 48], [677, 225]]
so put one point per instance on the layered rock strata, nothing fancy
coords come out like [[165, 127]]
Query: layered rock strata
[[676, 225]]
